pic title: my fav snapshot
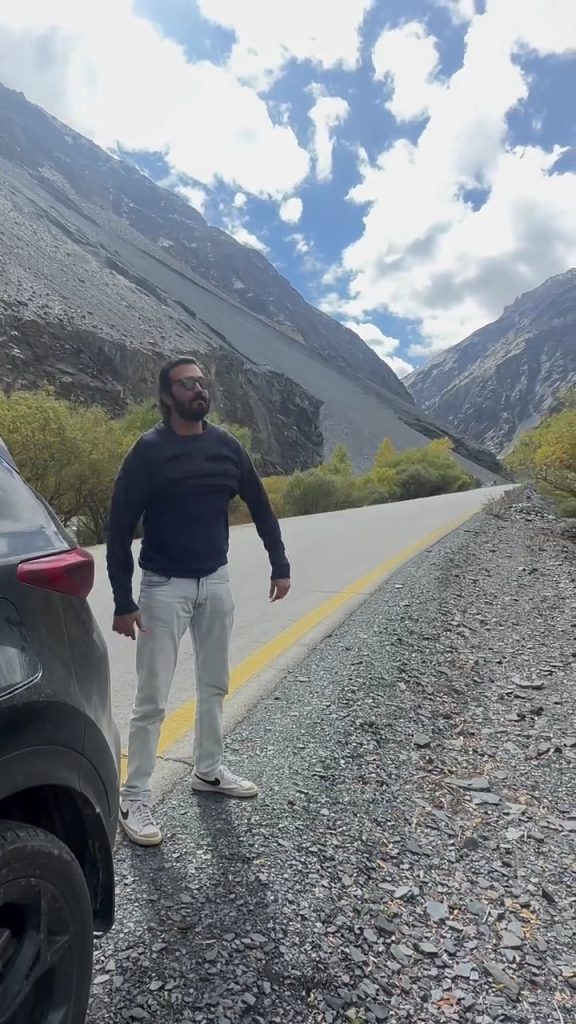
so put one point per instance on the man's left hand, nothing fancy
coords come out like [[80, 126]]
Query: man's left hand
[[279, 589]]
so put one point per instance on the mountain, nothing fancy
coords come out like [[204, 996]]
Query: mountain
[[505, 377], [104, 274]]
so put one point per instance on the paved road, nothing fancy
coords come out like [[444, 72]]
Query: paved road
[[336, 558], [311, 904]]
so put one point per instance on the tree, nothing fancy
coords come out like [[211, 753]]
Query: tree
[[45, 439], [339, 464], [547, 454], [139, 418], [386, 455], [104, 443], [143, 416]]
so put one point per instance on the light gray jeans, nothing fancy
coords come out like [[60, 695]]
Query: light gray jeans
[[169, 607]]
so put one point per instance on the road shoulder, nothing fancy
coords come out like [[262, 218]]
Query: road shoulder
[[412, 855]]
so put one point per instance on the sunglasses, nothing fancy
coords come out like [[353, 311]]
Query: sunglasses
[[192, 383]]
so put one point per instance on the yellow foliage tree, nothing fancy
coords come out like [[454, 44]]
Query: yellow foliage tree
[[548, 452], [339, 463], [386, 455]]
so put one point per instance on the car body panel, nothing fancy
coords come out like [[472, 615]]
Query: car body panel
[[56, 725]]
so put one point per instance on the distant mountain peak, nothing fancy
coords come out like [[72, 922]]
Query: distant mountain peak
[[504, 378]]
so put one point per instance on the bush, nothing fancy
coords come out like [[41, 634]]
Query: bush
[[547, 454], [312, 492], [71, 454], [276, 491], [417, 481], [144, 416], [417, 472], [378, 487]]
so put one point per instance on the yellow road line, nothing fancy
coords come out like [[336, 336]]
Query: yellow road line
[[180, 721]]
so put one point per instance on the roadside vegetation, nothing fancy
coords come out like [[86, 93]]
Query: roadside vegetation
[[71, 453], [546, 456]]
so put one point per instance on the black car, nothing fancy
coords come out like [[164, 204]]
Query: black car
[[59, 758]]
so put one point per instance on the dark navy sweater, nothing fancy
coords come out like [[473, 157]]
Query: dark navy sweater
[[182, 486]]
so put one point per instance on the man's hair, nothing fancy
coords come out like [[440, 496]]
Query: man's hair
[[165, 382]]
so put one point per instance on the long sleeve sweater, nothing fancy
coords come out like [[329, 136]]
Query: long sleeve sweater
[[182, 487]]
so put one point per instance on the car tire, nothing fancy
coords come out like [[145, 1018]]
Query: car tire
[[46, 929]]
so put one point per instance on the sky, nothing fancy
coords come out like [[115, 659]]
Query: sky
[[409, 165]]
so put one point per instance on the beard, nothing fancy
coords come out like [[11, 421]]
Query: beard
[[192, 410]]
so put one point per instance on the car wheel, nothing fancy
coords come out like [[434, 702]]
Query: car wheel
[[46, 930]]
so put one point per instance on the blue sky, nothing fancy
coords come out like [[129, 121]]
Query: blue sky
[[409, 165]]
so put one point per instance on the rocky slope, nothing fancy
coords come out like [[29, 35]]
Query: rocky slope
[[503, 378], [103, 274]]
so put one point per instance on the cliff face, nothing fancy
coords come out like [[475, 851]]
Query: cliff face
[[104, 274], [505, 377], [83, 365]]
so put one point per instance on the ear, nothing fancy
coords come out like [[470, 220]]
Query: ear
[[167, 398]]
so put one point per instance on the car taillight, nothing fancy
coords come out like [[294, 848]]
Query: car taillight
[[71, 573]]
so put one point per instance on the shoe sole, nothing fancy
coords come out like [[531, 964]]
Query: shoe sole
[[200, 787], [140, 840]]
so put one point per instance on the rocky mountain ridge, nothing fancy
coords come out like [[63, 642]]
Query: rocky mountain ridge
[[506, 376], [104, 274]]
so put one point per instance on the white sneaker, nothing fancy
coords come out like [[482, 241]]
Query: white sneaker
[[138, 823], [226, 784]]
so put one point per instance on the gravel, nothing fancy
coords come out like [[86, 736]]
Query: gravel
[[373, 881]]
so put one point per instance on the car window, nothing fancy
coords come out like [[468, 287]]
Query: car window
[[26, 526]]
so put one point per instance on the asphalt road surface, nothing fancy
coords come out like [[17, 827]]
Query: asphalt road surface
[[337, 558], [366, 883]]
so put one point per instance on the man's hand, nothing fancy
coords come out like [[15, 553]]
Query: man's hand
[[126, 625], [279, 589]]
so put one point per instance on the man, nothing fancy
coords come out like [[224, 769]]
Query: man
[[181, 477]]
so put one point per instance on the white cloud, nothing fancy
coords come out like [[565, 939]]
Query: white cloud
[[400, 366], [269, 34], [291, 210], [408, 58], [374, 337], [326, 114], [301, 245], [245, 237], [430, 253], [112, 75], [461, 11], [383, 345], [197, 197], [232, 219]]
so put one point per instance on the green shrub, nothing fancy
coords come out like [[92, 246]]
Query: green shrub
[[339, 463], [312, 492], [547, 454], [71, 453], [276, 491], [417, 481], [378, 487]]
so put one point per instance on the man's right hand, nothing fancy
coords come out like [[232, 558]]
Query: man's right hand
[[126, 625]]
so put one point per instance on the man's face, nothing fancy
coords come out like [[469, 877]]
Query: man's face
[[189, 395]]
